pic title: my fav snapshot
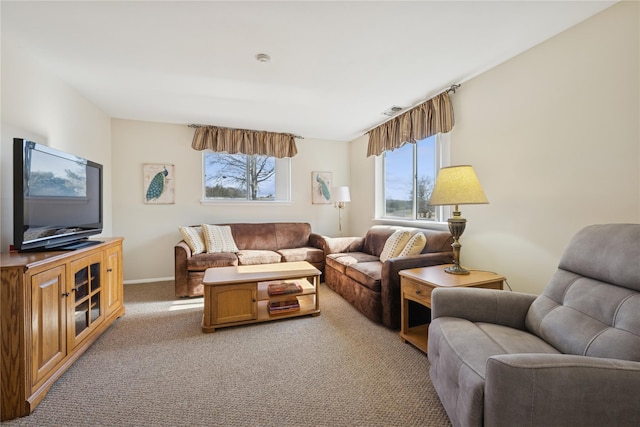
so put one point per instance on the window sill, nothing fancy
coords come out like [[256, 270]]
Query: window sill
[[246, 202], [433, 225]]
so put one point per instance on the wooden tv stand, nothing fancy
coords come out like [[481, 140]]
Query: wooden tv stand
[[54, 305]]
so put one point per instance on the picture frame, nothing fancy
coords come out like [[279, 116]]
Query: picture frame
[[159, 183], [321, 183]]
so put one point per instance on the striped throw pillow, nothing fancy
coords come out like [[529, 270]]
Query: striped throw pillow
[[394, 244], [193, 237], [218, 238], [415, 245]]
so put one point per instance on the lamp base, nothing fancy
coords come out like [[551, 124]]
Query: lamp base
[[457, 225], [456, 269]]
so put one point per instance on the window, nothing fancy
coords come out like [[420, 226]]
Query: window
[[242, 177], [409, 174]]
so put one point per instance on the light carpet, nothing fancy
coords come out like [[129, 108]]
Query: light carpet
[[155, 367]]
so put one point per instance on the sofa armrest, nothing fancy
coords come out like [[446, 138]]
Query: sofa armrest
[[182, 252], [561, 390], [335, 245], [482, 305], [390, 281], [316, 240]]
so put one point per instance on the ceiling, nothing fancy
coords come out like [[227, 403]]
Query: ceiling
[[335, 65]]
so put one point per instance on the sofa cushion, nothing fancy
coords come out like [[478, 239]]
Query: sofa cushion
[[292, 234], [252, 257], [414, 246], [587, 317], [218, 238], [302, 254], [193, 238], [203, 261], [341, 261], [394, 244], [376, 238], [458, 352], [366, 273]]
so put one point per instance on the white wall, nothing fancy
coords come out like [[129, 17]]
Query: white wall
[[38, 105], [554, 137], [151, 231]]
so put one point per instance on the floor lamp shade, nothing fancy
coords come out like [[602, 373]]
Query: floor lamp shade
[[457, 185]]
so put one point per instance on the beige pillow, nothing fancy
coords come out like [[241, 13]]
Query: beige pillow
[[193, 237], [218, 238], [415, 245], [394, 244]]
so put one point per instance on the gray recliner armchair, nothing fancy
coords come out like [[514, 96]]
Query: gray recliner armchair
[[569, 357]]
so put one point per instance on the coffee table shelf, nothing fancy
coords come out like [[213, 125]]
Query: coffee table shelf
[[239, 295]]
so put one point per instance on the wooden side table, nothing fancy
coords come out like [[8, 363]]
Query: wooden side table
[[416, 285]]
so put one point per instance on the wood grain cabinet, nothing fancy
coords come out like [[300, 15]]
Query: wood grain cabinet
[[54, 306]]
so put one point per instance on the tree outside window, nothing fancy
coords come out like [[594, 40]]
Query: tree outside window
[[239, 176]]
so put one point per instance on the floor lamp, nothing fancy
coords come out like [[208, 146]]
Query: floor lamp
[[340, 196], [457, 185]]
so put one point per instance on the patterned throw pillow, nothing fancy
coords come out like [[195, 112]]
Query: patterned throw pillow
[[218, 238], [394, 244], [193, 237], [415, 245]]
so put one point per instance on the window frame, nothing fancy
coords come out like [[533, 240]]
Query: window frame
[[283, 184], [442, 159]]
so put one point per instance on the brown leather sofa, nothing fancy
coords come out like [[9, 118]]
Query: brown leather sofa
[[258, 243], [353, 269]]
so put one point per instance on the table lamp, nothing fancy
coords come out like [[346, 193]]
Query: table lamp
[[340, 196], [457, 185]]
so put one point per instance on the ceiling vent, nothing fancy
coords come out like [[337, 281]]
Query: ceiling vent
[[392, 111]]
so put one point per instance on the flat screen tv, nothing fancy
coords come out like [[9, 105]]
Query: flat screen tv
[[57, 198]]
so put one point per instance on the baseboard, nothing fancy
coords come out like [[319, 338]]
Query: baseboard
[[157, 279]]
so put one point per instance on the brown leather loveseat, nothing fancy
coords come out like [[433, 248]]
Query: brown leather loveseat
[[355, 270], [257, 243]]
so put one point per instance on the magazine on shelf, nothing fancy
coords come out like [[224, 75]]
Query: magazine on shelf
[[281, 287]]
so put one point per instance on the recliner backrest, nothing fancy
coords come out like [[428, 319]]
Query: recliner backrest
[[591, 305]]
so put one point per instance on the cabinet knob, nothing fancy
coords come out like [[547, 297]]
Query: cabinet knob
[[109, 270], [66, 294]]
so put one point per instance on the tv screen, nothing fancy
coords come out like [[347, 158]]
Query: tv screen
[[57, 197]]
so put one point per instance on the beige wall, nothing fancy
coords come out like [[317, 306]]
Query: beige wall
[[39, 106], [151, 231], [554, 137]]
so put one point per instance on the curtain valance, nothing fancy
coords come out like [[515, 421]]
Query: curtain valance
[[432, 116], [244, 141]]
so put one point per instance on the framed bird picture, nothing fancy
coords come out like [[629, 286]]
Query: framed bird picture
[[321, 183], [159, 183]]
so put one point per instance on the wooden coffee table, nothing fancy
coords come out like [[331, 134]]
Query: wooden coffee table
[[416, 285], [239, 295]]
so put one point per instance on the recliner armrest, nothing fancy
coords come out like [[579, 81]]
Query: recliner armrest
[[482, 305], [561, 390]]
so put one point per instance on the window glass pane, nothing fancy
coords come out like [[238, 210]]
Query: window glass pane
[[426, 167], [225, 175], [239, 176], [262, 173], [398, 182]]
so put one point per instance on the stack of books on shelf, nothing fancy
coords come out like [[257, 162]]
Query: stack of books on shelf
[[284, 306]]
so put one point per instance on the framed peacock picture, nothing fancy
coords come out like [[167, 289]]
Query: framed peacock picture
[[159, 183], [321, 183]]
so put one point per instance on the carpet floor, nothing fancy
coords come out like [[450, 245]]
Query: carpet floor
[[155, 367]]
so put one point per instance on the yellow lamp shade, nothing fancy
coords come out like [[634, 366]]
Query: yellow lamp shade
[[457, 185]]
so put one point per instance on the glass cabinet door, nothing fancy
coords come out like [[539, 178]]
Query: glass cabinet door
[[87, 293]]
